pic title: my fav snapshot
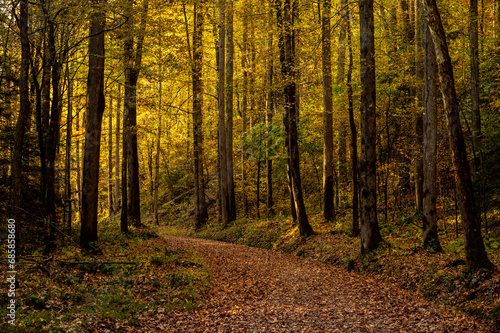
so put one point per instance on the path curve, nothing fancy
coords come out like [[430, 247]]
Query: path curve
[[257, 290]]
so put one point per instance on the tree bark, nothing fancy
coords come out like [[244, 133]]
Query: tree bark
[[224, 194], [117, 151], [370, 234], [95, 110], [67, 167], [342, 146], [244, 111], [269, 117], [133, 60], [24, 111], [474, 247], [474, 82], [290, 118], [328, 180], [430, 233], [354, 135], [200, 210], [110, 157], [229, 111]]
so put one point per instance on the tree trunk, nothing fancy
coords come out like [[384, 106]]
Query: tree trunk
[[95, 110], [117, 151], [354, 135], [290, 118], [200, 208], [328, 194], [475, 80], [69, 133], [244, 111], [430, 233], [224, 195], [342, 148], [419, 166], [110, 157], [269, 118], [17, 158], [133, 60], [157, 168], [229, 112], [370, 234], [473, 240]]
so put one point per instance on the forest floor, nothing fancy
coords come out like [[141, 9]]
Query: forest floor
[[259, 290]]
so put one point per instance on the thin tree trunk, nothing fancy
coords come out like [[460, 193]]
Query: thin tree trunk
[[117, 151], [244, 110], [290, 118], [201, 214], [222, 114], [475, 80], [430, 233], [354, 135], [69, 133], [342, 148], [17, 157], [110, 157], [328, 194], [95, 110], [157, 160], [419, 166], [370, 234], [229, 112], [473, 240], [269, 118]]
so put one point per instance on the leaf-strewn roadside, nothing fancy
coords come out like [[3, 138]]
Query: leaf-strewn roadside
[[258, 290], [401, 261]]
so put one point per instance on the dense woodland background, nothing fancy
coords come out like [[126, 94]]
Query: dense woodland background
[[156, 111]]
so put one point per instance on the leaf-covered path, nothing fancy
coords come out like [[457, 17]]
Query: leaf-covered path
[[256, 290]]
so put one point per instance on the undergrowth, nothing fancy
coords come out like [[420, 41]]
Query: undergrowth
[[137, 275]]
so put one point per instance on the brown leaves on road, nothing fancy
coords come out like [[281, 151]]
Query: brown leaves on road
[[256, 290]]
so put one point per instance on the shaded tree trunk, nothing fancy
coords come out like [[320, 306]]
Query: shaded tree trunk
[[229, 111], [269, 118], [430, 233], [117, 152], [474, 247], [290, 117], [22, 120], [342, 148], [475, 80], [200, 208], [354, 135], [67, 167], [95, 110], [328, 180], [224, 194], [370, 234], [244, 111], [110, 157]]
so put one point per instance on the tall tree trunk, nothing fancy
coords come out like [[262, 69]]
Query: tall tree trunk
[[342, 148], [244, 109], [269, 117], [24, 111], [229, 111], [95, 111], [110, 157], [290, 118], [473, 240], [133, 60], [419, 164], [52, 142], [475, 80], [224, 191], [328, 193], [281, 45], [430, 233], [354, 135], [200, 208], [370, 233], [117, 151], [69, 133], [157, 162]]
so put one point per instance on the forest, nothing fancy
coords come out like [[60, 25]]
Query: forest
[[362, 134]]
